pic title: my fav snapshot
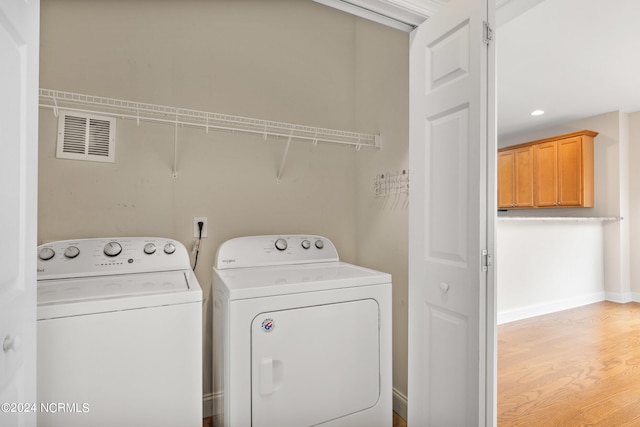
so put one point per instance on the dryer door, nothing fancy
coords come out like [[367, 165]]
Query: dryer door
[[314, 364]]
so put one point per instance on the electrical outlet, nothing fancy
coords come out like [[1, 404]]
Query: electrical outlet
[[196, 230]]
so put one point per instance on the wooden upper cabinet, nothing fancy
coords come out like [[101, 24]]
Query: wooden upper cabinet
[[546, 174], [524, 177], [506, 179], [515, 178], [549, 173], [575, 172]]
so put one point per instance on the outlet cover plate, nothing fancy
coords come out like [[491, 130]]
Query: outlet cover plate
[[196, 232]]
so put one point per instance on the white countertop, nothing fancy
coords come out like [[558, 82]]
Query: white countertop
[[558, 218]]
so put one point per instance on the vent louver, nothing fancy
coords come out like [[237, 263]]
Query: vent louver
[[86, 137]]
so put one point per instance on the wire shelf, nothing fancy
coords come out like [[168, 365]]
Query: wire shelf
[[139, 111]]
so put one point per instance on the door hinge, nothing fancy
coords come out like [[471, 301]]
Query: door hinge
[[487, 33], [486, 260]]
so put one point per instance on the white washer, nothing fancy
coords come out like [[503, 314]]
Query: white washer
[[119, 334], [300, 338]]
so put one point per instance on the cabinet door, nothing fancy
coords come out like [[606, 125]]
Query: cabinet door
[[570, 172], [506, 179], [524, 177], [546, 174]]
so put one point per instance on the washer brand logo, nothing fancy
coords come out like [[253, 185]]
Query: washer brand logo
[[268, 325], [228, 261]]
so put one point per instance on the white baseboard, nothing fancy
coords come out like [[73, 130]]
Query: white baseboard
[[216, 403], [621, 298], [400, 403], [207, 405], [550, 307], [212, 404]]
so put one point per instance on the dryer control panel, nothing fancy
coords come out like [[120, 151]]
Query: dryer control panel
[[104, 256], [261, 251]]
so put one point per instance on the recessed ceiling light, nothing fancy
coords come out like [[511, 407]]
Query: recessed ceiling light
[[537, 113]]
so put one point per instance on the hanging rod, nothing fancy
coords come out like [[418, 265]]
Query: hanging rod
[[55, 99]]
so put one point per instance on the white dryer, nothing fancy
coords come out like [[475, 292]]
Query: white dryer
[[119, 334], [300, 338]]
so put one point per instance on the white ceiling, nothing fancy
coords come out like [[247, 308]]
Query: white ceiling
[[571, 58]]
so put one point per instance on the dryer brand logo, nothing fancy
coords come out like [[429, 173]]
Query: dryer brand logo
[[228, 261], [268, 325]]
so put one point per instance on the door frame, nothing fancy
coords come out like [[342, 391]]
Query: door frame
[[515, 7]]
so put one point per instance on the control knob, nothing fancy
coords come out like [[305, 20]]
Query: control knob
[[149, 248], [71, 252], [46, 254], [306, 244], [281, 244], [112, 249], [319, 244], [169, 248]]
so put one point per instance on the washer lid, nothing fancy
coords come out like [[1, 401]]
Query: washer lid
[[257, 282], [72, 297]]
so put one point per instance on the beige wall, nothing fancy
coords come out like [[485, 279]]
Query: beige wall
[[634, 202], [286, 60], [382, 222]]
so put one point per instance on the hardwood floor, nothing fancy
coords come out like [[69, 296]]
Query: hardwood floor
[[572, 368], [398, 421]]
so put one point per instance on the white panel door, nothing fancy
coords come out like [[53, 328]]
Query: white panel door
[[19, 44], [314, 364], [452, 147]]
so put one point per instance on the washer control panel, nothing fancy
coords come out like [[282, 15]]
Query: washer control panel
[[260, 251], [102, 256]]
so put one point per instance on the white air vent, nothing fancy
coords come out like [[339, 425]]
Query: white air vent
[[86, 137]]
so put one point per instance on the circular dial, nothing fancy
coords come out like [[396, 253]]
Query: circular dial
[[306, 244], [281, 244], [46, 254], [169, 248], [71, 252], [112, 249], [319, 244], [149, 248]]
